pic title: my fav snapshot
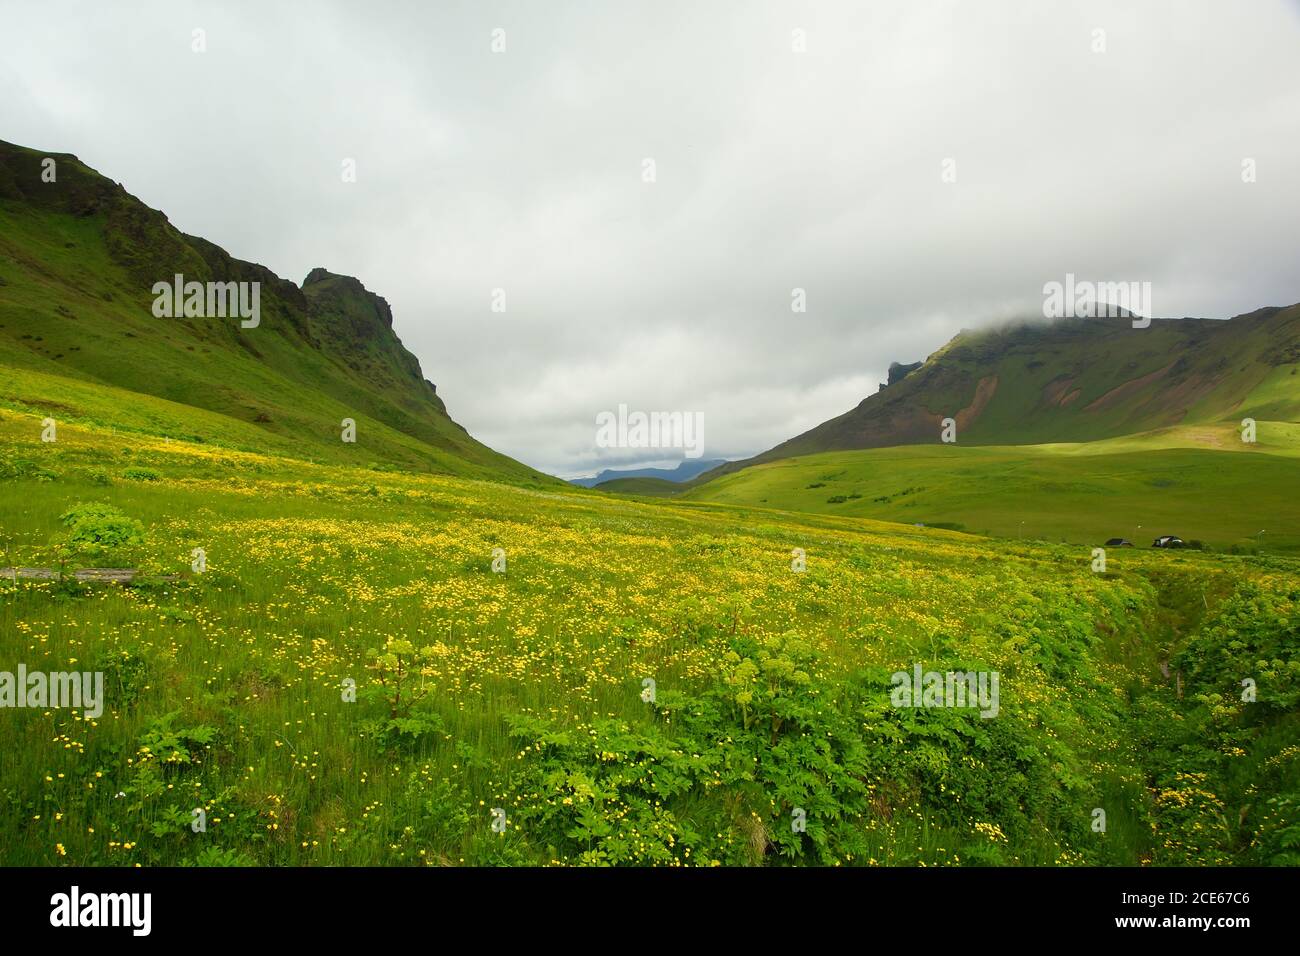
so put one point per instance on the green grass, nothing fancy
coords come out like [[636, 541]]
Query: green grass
[[532, 679], [1081, 494]]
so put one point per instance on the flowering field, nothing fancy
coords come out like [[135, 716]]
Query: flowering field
[[346, 678]]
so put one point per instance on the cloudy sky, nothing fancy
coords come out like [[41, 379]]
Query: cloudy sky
[[524, 169]]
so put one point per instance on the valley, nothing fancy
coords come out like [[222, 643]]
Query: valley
[[345, 632]]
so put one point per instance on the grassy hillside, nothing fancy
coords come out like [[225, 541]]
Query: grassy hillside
[[1078, 432], [78, 261], [1223, 494], [527, 691], [647, 487], [1078, 380]]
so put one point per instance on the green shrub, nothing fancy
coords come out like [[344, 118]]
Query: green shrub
[[96, 530], [774, 763]]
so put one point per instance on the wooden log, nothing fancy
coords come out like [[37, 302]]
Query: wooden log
[[114, 575], [92, 575], [35, 574]]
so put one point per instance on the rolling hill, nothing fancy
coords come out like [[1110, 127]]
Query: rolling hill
[[1076, 493], [79, 340], [648, 487]]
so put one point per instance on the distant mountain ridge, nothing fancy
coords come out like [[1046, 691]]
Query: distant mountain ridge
[[79, 256], [683, 472]]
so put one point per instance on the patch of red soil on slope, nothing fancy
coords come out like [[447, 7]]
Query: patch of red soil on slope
[[1121, 393]]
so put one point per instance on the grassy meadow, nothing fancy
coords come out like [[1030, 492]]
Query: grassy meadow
[[509, 718], [1200, 483]]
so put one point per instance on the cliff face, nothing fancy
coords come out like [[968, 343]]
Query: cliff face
[[898, 372]]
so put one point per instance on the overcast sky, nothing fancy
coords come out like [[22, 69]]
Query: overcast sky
[[523, 170]]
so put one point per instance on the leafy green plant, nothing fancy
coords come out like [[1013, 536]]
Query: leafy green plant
[[397, 669], [216, 856], [126, 676], [96, 530], [164, 745]]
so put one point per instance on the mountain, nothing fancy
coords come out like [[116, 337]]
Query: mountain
[[1074, 380], [685, 471], [81, 265]]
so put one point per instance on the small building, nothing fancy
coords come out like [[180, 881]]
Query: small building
[[1119, 543], [1167, 541]]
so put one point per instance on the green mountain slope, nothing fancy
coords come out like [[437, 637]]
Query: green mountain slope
[[79, 258], [1076, 380], [1077, 431]]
